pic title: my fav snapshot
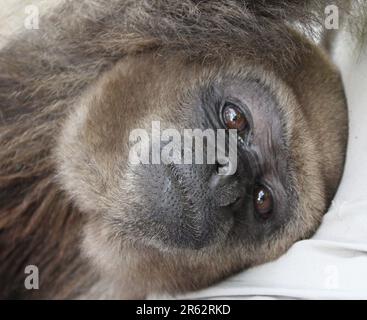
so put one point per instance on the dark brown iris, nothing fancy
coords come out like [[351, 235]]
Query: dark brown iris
[[234, 118], [263, 201]]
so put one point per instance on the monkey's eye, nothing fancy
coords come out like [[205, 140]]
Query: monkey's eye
[[263, 201], [234, 118]]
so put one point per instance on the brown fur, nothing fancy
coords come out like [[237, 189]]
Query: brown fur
[[44, 73]]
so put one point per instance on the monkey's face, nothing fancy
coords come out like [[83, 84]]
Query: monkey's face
[[203, 202], [290, 138]]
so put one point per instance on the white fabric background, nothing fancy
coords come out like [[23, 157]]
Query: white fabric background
[[13, 14], [333, 264]]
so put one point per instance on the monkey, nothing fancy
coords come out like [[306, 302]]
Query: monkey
[[71, 92]]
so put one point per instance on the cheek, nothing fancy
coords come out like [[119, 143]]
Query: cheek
[[104, 254]]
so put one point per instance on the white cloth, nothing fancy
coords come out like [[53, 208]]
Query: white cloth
[[333, 264]]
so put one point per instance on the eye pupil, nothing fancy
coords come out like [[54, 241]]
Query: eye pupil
[[234, 118], [263, 201]]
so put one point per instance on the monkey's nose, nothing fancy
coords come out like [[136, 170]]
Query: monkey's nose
[[221, 176], [225, 189]]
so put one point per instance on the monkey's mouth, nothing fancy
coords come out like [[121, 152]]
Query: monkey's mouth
[[185, 209], [197, 188]]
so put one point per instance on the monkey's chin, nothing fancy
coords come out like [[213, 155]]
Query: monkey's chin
[[197, 234]]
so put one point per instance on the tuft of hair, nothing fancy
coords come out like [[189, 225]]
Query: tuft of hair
[[357, 23]]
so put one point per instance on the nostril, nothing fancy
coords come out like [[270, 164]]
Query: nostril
[[219, 177], [223, 169], [219, 166]]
